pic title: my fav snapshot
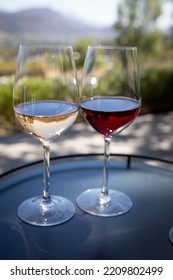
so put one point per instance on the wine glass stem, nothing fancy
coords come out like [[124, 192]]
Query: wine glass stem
[[104, 190], [46, 171]]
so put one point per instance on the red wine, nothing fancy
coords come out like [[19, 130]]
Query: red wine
[[109, 115]]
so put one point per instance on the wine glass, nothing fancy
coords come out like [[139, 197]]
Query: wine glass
[[171, 234], [110, 101], [46, 104]]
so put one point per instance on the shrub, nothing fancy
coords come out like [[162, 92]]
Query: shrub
[[7, 120], [7, 67], [157, 90]]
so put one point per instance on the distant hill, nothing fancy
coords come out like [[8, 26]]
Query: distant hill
[[46, 25]]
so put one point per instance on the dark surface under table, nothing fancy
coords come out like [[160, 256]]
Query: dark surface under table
[[142, 233]]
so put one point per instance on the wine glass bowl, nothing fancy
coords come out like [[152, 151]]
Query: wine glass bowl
[[110, 101], [46, 104]]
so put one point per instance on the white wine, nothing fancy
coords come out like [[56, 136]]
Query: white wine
[[46, 119]]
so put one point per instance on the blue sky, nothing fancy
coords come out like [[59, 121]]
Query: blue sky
[[97, 12]]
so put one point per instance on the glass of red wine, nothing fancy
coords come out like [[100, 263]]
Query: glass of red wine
[[110, 101], [46, 104]]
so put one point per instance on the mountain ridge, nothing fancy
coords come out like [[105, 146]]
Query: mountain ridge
[[45, 24]]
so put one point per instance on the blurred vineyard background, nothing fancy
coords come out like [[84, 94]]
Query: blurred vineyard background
[[136, 24]]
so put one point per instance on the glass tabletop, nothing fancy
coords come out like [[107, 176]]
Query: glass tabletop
[[142, 233]]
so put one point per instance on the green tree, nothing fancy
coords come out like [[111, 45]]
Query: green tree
[[80, 50], [136, 24]]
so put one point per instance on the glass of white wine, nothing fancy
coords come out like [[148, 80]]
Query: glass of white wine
[[45, 98]]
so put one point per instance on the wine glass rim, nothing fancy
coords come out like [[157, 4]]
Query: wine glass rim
[[63, 46], [112, 47]]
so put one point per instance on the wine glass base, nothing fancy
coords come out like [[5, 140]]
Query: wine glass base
[[37, 212], [119, 203], [171, 235]]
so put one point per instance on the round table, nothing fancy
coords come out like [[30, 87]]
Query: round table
[[142, 233]]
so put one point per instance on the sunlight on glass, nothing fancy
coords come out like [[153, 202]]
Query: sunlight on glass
[[94, 81]]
